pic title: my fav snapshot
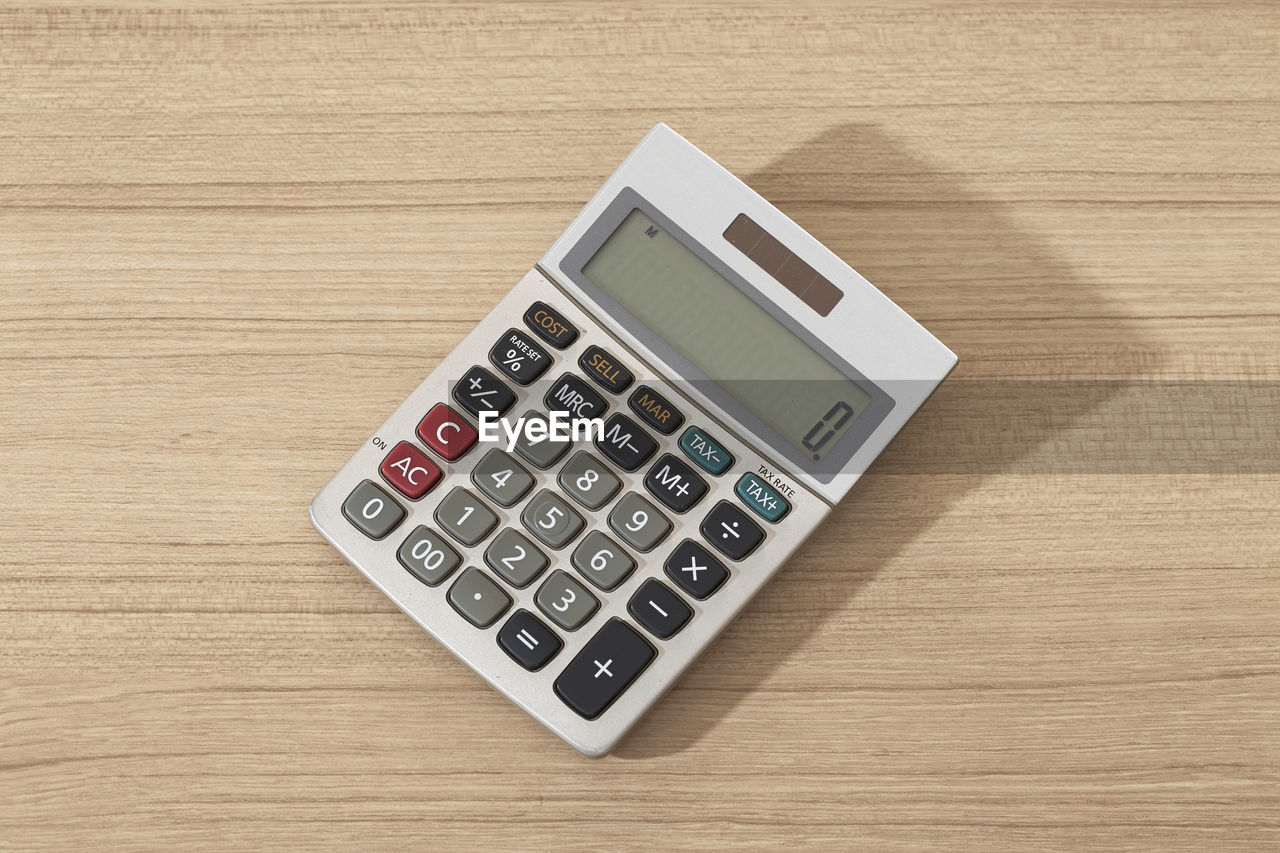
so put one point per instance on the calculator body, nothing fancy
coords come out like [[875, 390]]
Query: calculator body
[[703, 436]]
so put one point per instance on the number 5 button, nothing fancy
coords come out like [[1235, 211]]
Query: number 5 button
[[551, 519], [566, 601]]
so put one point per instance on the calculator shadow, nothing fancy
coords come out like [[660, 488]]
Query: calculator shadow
[[959, 264]]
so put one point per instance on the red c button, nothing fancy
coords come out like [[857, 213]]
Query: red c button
[[446, 432]]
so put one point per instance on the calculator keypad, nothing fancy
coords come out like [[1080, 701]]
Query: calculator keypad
[[602, 561], [674, 483], [427, 556], [625, 443], [516, 355], [519, 554], [374, 512], [464, 517], [477, 598], [638, 522], [549, 517], [565, 601], [502, 478], [514, 558], [480, 391], [588, 481]]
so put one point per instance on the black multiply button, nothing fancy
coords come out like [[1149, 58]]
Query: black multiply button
[[604, 369], [529, 643], [516, 355], [575, 397], [659, 609], [694, 569], [480, 391], [550, 325], [605, 667], [731, 531], [625, 443], [674, 483]]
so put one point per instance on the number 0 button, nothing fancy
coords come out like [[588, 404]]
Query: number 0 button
[[566, 601], [372, 510]]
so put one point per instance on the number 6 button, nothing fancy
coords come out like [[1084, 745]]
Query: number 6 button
[[565, 601]]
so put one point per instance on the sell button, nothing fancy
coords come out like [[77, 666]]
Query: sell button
[[756, 494]]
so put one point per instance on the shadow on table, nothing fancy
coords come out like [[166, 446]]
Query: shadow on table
[[872, 203]]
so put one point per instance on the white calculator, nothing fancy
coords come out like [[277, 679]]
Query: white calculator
[[617, 458]]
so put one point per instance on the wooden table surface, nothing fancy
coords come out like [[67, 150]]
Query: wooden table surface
[[233, 239]]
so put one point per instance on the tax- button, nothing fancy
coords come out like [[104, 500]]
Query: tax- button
[[704, 450], [757, 494], [604, 369], [550, 325], [605, 667], [656, 410]]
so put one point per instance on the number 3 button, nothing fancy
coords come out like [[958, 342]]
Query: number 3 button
[[565, 601]]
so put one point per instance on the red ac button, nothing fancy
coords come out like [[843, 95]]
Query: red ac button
[[446, 432], [411, 472]]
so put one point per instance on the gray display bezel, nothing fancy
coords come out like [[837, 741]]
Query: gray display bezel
[[694, 380]]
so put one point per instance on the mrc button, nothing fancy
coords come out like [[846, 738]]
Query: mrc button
[[550, 325], [605, 370], [656, 410]]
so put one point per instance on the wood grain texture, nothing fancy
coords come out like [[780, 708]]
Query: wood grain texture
[[233, 238]]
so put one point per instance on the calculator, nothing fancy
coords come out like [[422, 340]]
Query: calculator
[[590, 487]]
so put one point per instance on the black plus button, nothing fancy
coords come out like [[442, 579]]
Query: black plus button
[[674, 483], [694, 569], [516, 355], [625, 443], [481, 391], [530, 643], [659, 609], [607, 664], [729, 529]]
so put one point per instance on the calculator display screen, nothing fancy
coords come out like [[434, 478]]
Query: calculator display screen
[[726, 335]]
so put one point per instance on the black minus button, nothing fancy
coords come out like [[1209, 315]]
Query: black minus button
[[550, 325], [605, 667]]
